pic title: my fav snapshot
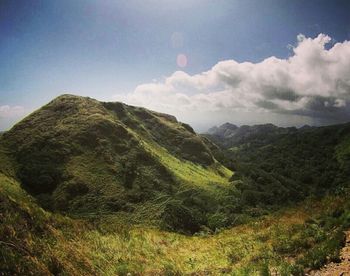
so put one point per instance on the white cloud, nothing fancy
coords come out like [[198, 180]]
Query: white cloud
[[10, 114], [314, 82], [7, 111]]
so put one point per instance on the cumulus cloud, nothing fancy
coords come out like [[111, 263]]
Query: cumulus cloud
[[313, 83]]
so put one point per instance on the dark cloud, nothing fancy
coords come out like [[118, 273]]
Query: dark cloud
[[267, 105], [280, 93]]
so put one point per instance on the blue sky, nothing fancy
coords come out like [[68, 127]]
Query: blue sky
[[105, 49]]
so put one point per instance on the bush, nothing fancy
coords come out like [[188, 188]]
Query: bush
[[327, 251], [217, 221], [178, 217], [194, 150], [75, 188]]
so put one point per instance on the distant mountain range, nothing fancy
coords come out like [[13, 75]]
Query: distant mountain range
[[230, 134], [279, 164]]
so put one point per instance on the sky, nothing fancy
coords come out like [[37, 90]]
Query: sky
[[206, 62]]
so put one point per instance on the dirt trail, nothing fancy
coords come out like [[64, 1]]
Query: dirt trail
[[337, 269]]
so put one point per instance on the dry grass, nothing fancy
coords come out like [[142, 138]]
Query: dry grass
[[111, 247]]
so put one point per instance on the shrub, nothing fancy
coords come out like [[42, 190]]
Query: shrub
[[178, 217], [217, 221]]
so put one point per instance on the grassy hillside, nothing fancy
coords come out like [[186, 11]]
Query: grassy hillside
[[88, 158], [38, 242]]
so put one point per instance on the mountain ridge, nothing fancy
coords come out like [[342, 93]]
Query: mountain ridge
[[277, 164], [79, 155]]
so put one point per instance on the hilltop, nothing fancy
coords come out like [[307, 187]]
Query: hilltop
[[84, 157]]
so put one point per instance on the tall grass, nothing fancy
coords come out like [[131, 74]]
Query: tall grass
[[286, 242]]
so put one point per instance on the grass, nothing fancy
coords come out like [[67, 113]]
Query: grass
[[286, 242], [189, 172]]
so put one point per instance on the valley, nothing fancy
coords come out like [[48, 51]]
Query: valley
[[96, 188]]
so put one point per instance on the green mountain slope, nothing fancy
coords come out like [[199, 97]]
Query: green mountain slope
[[88, 158], [37, 242], [113, 179], [277, 165]]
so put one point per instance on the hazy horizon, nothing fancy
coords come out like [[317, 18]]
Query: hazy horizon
[[243, 62]]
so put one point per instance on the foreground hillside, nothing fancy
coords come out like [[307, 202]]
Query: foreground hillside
[[38, 242]]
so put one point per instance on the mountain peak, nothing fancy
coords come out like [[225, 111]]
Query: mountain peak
[[228, 126], [66, 147]]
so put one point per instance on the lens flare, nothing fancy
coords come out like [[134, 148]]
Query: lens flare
[[181, 60]]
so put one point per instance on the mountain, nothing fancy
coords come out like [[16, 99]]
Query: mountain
[[95, 188], [228, 135], [85, 157], [275, 165], [224, 130]]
